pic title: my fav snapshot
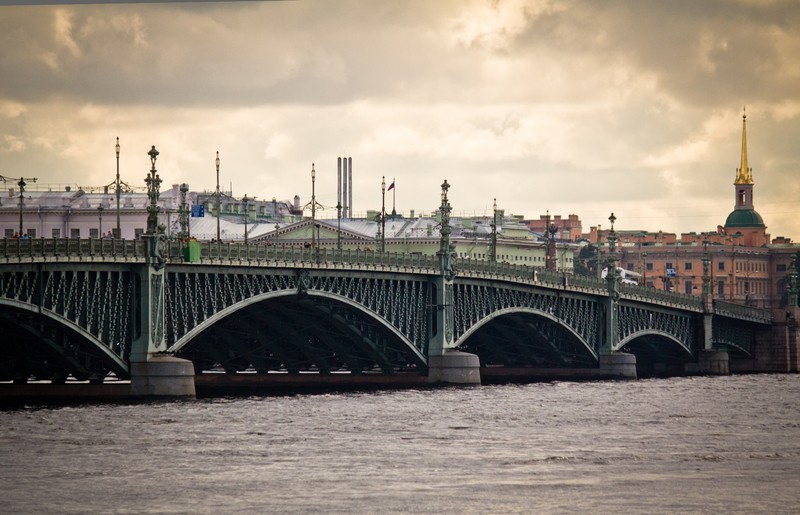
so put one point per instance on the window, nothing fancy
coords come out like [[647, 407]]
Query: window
[[629, 267], [687, 265], [137, 233], [720, 265], [94, 233], [649, 267], [74, 233], [9, 233], [31, 233], [721, 288], [56, 233], [668, 265], [687, 287], [781, 268]]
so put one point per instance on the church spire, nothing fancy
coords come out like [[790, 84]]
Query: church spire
[[744, 174]]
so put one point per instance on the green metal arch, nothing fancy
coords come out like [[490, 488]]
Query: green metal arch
[[732, 345], [652, 332], [119, 361], [529, 311], [216, 317]]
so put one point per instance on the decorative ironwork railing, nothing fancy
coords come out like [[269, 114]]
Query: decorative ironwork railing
[[738, 311], [259, 254]]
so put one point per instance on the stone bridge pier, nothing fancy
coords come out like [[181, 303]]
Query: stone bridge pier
[[154, 373]]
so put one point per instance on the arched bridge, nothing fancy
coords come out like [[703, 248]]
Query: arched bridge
[[89, 308]]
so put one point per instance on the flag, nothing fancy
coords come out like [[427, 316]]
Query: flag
[[391, 186]]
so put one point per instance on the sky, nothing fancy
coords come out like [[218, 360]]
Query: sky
[[568, 107]]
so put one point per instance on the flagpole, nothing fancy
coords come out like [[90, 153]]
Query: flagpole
[[394, 192]]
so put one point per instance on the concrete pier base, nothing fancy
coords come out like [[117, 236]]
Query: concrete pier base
[[712, 362], [454, 367], [163, 376], [617, 365]]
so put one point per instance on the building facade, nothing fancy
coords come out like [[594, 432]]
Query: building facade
[[741, 262]]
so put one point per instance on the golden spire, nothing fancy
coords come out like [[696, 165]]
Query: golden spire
[[744, 174]]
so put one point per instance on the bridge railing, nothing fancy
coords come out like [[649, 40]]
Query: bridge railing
[[293, 255], [730, 309], [35, 249], [635, 292]]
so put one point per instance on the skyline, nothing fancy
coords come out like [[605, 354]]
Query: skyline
[[564, 107]]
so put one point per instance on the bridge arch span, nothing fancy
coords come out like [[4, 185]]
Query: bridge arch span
[[661, 335], [334, 326], [80, 342], [658, 353], [522, 336]]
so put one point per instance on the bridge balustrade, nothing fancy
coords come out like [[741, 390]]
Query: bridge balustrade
[[683, 300], [59, 249], [739, 311], [34, 249]]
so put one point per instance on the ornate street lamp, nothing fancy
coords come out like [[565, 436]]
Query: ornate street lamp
[[313, 204], [383, 214], [153, 182], [612, 250], [245, 201], [217, 195], [493, 248], [100, 220], [184, 212], [445, 258], [119, 229], [339, 225]]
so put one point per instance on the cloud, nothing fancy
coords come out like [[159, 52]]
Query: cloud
[[572, 106]]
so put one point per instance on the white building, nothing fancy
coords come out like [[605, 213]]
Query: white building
[[72, 212]]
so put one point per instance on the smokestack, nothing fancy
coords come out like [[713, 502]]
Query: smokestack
[[350, 185], [345, 208], [339, 186]]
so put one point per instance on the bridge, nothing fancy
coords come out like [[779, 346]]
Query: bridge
[[167, 314], [94, 309]]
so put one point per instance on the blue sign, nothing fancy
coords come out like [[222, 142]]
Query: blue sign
[[671, 272], [198, 211]]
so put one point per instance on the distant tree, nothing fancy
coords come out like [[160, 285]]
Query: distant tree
[[586, 264]]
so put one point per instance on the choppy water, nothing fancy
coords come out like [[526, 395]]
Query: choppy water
[[704, 445]]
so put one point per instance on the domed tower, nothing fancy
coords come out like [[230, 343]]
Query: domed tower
[[744, 220]]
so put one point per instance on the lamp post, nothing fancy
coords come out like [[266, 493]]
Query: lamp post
[[444, 230], [611, 275], [22, 185], [217, 195], [100, 220], [339, 226], [493, 248], [313, 204], [184, 212], [119, 229], [246, 200], [153, 182], [383, 214]]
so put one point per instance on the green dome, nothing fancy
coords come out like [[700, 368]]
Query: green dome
[[744, 218]]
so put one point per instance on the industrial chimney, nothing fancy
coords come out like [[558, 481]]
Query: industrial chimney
[[344, 186]]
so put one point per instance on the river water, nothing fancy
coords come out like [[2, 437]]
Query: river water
[[689, 445]]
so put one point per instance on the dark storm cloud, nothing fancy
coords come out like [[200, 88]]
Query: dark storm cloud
[[571, 106], [707, 53]]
